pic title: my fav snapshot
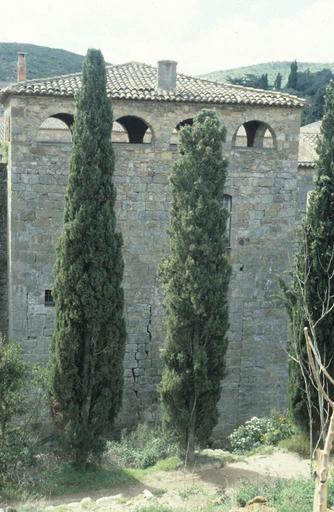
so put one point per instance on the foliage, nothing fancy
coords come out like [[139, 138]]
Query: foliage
[[310, 83], [298, 443], [196, 277], [251, 80], [293, 76], [312, 86], [278, 82], [42, 61], [141, 448], [86, 366], [271, 68], [245, 493], [14, 441], [312, 286], [282, 495], [4, 151], [261, 431], [263, 82]]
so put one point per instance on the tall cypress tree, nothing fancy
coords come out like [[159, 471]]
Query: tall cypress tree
[[278, 82], [293, 76], [196, 278], [313, 285], [86, 366], [263, 82]]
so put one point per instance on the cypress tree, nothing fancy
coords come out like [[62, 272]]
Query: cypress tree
[[293, 76], [278, 82], [263, 82], [86, 366], [312, 286], [196, 278]]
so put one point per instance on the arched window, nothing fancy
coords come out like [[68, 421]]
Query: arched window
[[56, 129], [119, 133], [227, 204], [175, 133], [254, 134], [137, 130]]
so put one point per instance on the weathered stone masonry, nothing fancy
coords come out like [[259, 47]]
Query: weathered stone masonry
[[3, 250], [263, 186]]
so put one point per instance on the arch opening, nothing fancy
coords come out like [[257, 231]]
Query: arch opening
[[254, 134], [175, 133], [137, 130], [56, 129]]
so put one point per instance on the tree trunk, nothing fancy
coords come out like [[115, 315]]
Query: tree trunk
[[190, 453], [320, 492]]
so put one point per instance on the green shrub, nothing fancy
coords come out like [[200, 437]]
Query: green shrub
[[261, 431], [298, 443], [245, 492], [283, 495], [141, 448], [14, 441]]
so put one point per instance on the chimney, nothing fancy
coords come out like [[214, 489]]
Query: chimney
[[167, 75], [21, 66]]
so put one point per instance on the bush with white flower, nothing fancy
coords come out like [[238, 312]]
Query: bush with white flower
[[267, 431]]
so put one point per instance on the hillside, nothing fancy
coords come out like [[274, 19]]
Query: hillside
[[272, 68], [41, 61]]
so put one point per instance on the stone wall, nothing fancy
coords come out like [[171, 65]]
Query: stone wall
[[263, 186], [3, 250], [306, 175]]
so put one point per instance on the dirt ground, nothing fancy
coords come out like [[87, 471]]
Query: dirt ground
[[207, 483]]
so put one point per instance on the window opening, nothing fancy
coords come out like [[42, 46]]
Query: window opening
[[227, 204], [48, 298]]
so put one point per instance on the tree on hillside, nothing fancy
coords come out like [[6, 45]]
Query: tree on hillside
[[249, 80], [278, 82], [196, 277], [293, 76], [312, 291], [263, 82], [86, 372]]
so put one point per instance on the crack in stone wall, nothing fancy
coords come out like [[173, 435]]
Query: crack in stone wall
[[142, 353]]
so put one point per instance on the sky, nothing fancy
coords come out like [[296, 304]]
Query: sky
[[201, 35]]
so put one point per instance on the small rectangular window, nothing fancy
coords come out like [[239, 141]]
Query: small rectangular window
[[48, 300]]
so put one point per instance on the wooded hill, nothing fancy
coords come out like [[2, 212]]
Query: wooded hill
[[269, 68], [41, 61]]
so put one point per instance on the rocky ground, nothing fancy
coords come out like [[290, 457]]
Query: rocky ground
[[210, 482]]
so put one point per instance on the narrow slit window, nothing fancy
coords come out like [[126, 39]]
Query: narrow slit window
[[227, 204], [48, 299]]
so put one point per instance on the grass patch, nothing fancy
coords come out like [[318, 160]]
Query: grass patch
[[169, 464], [155, 508], [141, 448], [67, 480], [283, 495], [191, 491], [299, 443], [164, 508]]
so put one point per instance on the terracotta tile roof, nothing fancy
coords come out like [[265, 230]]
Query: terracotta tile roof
[[136, 81], [308, 165]]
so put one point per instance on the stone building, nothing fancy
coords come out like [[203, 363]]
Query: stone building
[[307, 157], [150, 105]]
